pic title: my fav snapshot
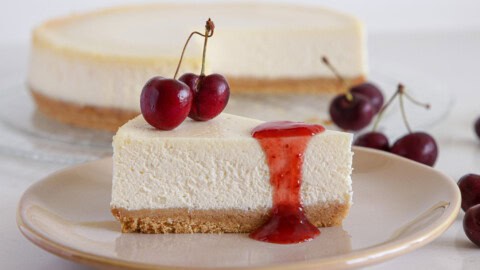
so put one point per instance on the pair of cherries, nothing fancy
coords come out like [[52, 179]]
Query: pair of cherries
[[165, 103], [470, 189], [417, 146]]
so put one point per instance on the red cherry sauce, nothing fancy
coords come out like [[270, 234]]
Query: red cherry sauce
[[284, 144]]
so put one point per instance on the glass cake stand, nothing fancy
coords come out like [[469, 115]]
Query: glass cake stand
[[25, 132]]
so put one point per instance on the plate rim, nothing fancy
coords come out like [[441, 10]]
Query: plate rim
[[362, 257]]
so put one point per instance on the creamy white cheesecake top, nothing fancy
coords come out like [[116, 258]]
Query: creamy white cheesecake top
[[103, 58], [218, 165], [245, 36]]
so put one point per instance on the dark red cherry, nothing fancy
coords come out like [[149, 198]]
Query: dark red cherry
[[417, 146], [471, 224], [165, 103], [210, 95], [190, 79], [375, 140], [477, 127], [352, 114], [372, 92], [470, 188]]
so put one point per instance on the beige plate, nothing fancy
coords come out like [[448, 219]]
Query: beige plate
[[398, 206]]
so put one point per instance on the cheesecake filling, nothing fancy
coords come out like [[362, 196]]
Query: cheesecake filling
[[218, 165]]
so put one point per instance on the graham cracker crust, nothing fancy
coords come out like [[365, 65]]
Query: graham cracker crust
[[289, 85], [109, 119], [216, 221]]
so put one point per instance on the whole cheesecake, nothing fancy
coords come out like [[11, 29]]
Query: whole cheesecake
[[211, 177], [88, 69]]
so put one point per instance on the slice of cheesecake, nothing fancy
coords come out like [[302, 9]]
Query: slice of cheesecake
[[214, 177], [88, 69]]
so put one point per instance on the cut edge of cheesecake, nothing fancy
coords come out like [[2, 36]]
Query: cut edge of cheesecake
[[204, 220]]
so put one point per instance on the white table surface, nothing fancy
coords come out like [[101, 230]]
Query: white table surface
[[451, 58]]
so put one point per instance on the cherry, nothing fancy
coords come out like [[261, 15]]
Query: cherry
[[470, 188], [477, 127], [211, 92], [354, 109], [165, 103], [190, 79], [471, 224], [351, 111], [417, 146], [373, 139], [210, 95], [372, 92]]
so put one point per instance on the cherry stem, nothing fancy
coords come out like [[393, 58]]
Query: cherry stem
[[209, 29], [401, 93], [404, 114], [333, 69], [325, 60], [382, 110], [414, 101], [206, 35], [349, 96]]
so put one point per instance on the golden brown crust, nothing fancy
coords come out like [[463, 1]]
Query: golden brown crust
[[216, 221], [290, 85], [109, 119]]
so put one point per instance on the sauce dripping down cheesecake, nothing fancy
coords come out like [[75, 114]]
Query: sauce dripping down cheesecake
[[284, 144]]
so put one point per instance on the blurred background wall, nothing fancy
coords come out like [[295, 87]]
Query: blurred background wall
[[17, 17]]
